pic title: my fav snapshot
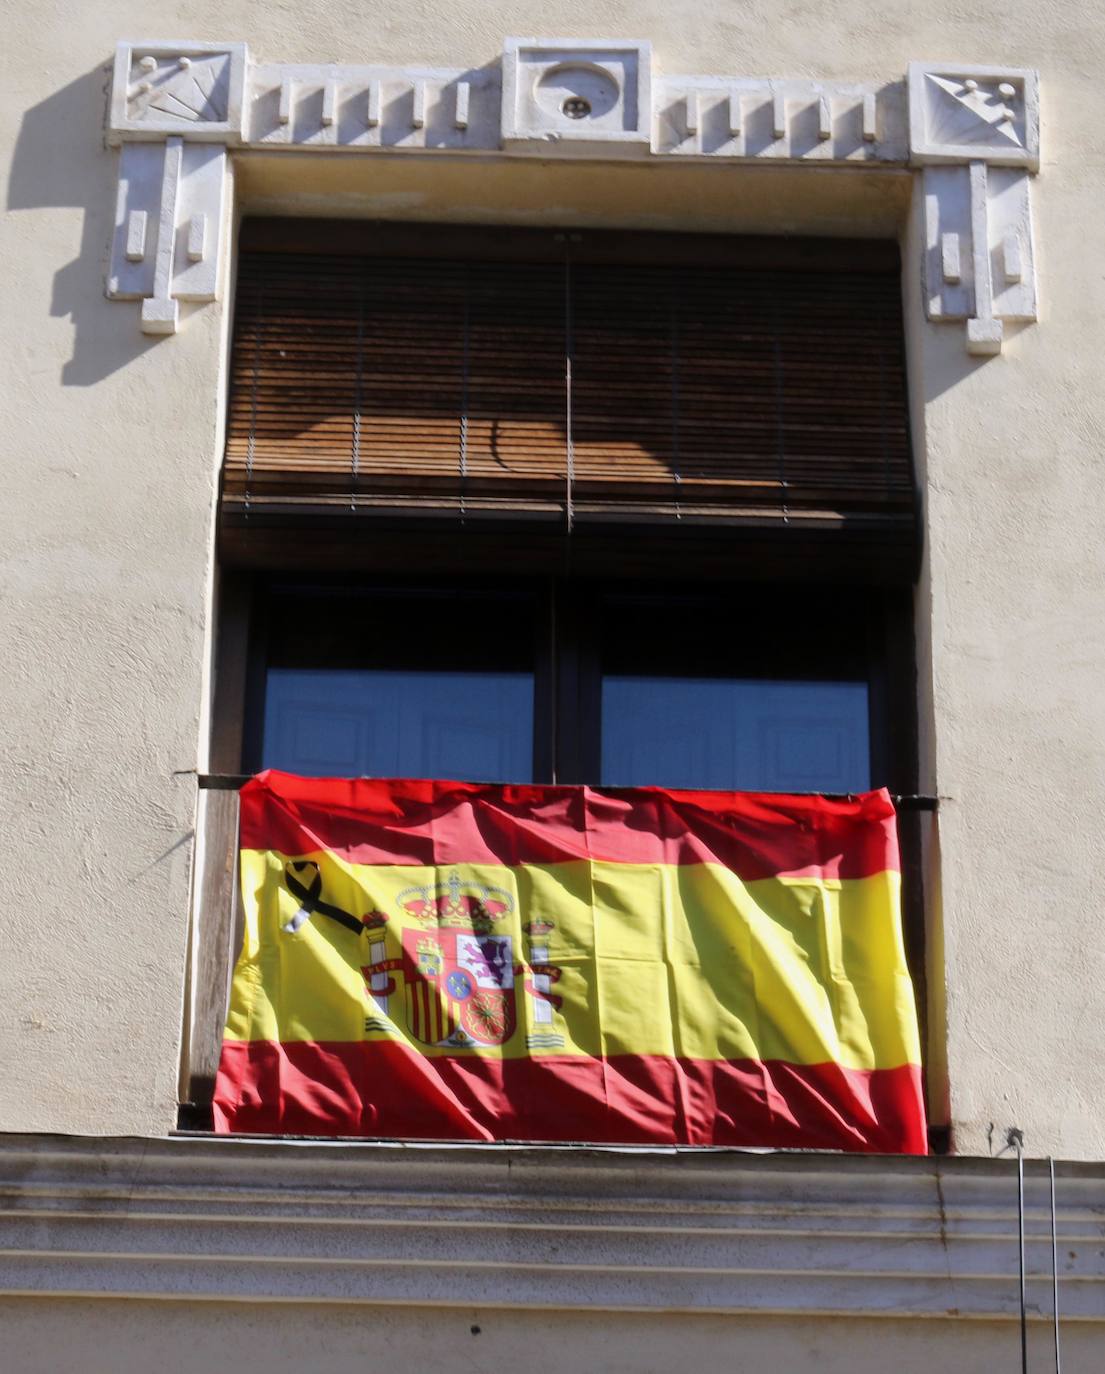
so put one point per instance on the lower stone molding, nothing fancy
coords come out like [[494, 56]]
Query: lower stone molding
[[543, 1228]]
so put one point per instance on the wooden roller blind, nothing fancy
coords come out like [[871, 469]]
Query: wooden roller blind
[[563, 382]]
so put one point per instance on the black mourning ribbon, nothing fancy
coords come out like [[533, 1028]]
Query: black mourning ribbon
[[310, 901]]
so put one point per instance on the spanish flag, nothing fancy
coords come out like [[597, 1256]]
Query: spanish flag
[[458, 961]]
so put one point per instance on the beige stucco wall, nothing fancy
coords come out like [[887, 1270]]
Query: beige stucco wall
[[110, 460]]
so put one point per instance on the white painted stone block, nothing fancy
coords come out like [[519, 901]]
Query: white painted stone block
[[951, 259], [778, 114], [594, 93], [989, 275], [418, 105], [966, 113], [202, 198], [171, 202], [138, 200], [363, 109], [870, 118], [824, 118], [460, 104], [947, 195], [1011, 244], [197, 238], [778, 121], [191, 89], [137, 221]]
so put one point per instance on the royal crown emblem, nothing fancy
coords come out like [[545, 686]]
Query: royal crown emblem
[[457, 905]]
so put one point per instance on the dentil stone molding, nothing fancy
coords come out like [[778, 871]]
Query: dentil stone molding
[[178, 109]]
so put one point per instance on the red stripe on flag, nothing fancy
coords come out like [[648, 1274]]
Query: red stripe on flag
[[388, 1090], [414, 822]]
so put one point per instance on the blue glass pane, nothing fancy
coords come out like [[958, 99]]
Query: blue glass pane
[[747, 734], [366, 722]]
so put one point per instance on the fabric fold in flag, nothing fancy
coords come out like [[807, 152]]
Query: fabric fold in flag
[[457, 961]]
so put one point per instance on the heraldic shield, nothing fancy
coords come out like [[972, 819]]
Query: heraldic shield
[[459, 987]]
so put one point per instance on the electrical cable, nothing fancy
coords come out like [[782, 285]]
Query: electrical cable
[[1054, 1270], [1015, 1138]]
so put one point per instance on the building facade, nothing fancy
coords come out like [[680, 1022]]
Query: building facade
[[139, 169]]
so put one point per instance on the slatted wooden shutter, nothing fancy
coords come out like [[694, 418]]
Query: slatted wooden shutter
[[549, 386]]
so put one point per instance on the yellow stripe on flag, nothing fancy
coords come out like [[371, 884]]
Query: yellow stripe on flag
[[650, 959]]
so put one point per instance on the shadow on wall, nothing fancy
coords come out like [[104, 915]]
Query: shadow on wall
[[60, 161], [944, 361]]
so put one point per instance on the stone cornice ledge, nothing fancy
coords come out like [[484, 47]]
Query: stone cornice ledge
[[178, 108], [524, 1227]]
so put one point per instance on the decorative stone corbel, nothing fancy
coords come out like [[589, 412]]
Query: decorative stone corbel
[[975, 133], [175, 108]]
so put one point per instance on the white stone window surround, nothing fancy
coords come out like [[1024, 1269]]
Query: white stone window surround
[[179, 108]]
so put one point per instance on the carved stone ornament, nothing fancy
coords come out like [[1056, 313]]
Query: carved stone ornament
[[556, 91], [177, 108], [975, 131], [967, 114], [161, 89]]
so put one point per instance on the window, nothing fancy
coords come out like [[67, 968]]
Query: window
[[748, 690], [394, 681], [740, 686], [575, 507], [387, 379]]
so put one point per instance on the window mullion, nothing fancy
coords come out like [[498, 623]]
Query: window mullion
[[579, 683], [545, 686]]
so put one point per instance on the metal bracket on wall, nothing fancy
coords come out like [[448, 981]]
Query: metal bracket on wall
[[179, 109], [904, 801]]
